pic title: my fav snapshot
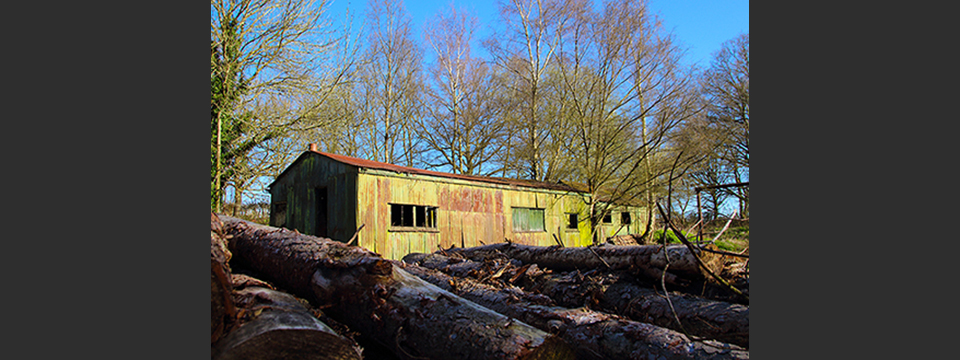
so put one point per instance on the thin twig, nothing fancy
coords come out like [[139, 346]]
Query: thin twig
[[442, 251], [397, 341], [666, 294], [725, 253], [354, 237], [724, 228], [694, 225], [599, 257], [663, 285]]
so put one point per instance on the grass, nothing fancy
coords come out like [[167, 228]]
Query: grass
[[734, 239]]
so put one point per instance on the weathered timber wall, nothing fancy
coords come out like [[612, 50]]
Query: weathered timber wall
[[467, 213], [297, 188]]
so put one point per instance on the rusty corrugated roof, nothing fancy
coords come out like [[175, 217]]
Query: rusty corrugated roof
[[370, 164]]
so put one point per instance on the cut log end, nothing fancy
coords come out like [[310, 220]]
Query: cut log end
[[282, 328], [270, 336]]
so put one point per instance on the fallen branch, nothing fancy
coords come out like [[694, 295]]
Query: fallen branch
[[354, 237], [700, 262]]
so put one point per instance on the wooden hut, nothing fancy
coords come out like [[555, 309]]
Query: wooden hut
[[404, 210]]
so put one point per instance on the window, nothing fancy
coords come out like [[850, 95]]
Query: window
[[413, 216], [528, 219], [572, 221], [607, 219], [625, 218]]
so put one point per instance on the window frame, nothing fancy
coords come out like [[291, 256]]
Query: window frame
[[422, 218], [607, 219], [514, 217], [576, 222]]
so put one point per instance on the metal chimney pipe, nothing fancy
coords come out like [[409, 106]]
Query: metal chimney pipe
[[313, 147]]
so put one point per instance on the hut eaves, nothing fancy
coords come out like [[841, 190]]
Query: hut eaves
[[376, 165]]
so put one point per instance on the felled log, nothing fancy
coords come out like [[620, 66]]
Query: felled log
[[705, 318], [280, 327], [374, 297], [722, 321], [594, 335], [614, 257], [465, 267], [222, 310]]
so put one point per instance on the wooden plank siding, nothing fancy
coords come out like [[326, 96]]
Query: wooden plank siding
[[297, 186], [468, 214]]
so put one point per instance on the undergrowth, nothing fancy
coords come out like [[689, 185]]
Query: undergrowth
[[734, 239]]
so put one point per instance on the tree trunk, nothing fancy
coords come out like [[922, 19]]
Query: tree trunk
[[721, 321], [594, 335], [281, 328], [374, 297], [681, 260]]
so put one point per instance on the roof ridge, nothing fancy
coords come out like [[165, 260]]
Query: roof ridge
[[373, 164]]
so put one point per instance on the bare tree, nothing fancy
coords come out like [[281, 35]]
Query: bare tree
[[525, 50], [391, 83], [624, 93], [727, 89], [463, 125], [276, 64]]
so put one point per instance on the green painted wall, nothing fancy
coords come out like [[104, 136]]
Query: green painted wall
[[298, 187], [468, 214]]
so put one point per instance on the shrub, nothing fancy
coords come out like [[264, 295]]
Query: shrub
[[672, 237]]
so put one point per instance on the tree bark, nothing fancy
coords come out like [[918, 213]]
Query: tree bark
[[463, 267], [281, 328], [374, 297], [594, 335], [721, 321], [680, 258], [718, 320], [222, 310]]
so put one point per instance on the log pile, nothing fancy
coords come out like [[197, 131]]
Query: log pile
[[251, 320], [498, 301]]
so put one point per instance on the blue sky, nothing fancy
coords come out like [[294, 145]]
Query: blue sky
[[700, 26]]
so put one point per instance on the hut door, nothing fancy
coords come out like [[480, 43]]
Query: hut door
[[321, 196]]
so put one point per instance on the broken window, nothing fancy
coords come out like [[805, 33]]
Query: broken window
[[413, 216], [528, 219], [607, 219], [625, 218], [572, 221]]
